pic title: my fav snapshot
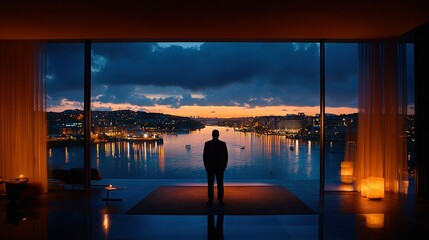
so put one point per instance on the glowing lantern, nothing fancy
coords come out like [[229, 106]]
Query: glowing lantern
[[346, 171], [363, 188], [403, 188], [374, 220], [375, 187]]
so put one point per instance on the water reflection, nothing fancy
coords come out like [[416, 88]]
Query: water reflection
[[66, 153], [251, 156], [215, 230], [97, 156], [374, 220], [106, 225]]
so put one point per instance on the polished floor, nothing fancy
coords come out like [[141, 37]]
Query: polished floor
[[73, 213]]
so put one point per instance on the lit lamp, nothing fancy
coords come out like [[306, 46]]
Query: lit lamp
[[20, 178], [346, 171], [363, 188], [374, 220], [403, 188], [375, 187]]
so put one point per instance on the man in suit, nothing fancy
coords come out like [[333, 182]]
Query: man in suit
[[215, 156]]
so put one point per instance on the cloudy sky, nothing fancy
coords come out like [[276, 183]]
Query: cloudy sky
[[209, 79]]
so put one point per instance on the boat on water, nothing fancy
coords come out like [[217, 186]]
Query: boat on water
[[291, 148], [187, 146], [144, 138], [242, 147]]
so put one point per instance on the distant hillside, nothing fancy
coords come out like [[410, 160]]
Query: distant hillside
[[158, 121]]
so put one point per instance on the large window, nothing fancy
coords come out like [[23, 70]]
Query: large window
[[410, 121], [65, 118], [154, 105], [341, 115], [341, 129]]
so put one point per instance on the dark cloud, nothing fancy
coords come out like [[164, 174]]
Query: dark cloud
[[213, 65], [234, 74], [65, 70], [120, 94], [341, 74]]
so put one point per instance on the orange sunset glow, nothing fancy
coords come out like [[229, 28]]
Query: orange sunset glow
[[208, 111]]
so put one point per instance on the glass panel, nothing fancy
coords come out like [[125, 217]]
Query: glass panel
[[341, 101], [263, 97], [271, 126], [65, 91], [410, 118]]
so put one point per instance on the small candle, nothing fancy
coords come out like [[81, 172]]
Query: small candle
[[110, 185], [21, 175]]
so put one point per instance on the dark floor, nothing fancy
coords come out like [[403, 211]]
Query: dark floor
[[78, 214]]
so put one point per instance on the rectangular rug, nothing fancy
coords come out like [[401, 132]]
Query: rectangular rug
[[239, 200]]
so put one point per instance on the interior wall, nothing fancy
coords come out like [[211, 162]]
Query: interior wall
[[219, 20]]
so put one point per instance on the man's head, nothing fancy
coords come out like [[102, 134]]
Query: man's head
[[215, 133]]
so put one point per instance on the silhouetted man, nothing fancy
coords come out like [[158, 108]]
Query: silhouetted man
[[215, 156]]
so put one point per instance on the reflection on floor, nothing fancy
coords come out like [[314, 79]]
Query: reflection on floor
[[78, 214]]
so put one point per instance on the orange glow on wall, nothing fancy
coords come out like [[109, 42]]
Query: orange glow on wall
[[403, 186], [23, 128], [364, 188]]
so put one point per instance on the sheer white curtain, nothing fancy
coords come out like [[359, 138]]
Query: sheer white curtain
[[22, 107], [382, 143]]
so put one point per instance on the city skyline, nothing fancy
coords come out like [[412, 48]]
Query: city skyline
[[211, 79], [213, 111]]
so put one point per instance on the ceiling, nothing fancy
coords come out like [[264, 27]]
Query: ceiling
[[215, 20]]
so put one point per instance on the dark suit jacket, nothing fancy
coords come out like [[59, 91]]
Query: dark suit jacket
[[215, 155]]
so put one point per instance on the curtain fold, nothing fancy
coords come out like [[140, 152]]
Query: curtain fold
[[23, 117], [382, 110]]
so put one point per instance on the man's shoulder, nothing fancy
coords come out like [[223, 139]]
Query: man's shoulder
[[215, 141]]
